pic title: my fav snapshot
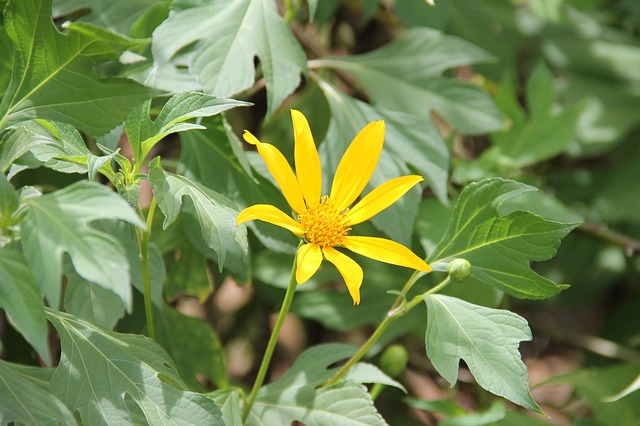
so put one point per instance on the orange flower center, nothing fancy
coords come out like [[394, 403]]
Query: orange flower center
[[323, 224]]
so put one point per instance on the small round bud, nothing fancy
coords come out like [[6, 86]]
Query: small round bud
[[459, 270], [394, 360]]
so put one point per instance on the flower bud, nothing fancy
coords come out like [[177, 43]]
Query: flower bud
[[394, 360], [459, 270]]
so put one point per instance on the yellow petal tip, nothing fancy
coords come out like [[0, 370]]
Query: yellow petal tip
[[248, 136]]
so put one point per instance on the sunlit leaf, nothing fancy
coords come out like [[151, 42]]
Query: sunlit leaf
[[486, 339], [53, 74], [500, 248], [58, 223], [230, 34], [143, 133], [101, 373], [294, 397]]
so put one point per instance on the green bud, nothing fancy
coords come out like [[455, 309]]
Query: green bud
[[459, 270], [394, 360]]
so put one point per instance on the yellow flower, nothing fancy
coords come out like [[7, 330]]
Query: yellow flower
[[324, 222]]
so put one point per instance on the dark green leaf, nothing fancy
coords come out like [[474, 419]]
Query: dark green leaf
[[194, 346]]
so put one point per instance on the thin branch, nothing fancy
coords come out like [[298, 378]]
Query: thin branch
[[602, 231]]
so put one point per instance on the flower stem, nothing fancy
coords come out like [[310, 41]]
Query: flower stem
[[400, 308], [266, 359], [143, 241]]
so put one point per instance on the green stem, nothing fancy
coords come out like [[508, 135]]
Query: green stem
[[143, 241], [266, 360], [400, 307]]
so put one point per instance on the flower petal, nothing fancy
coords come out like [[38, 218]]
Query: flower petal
[[351, 272], [357, 165], [386, 251], [307, 159], [309, 260], [280, 170], [381, 198], [271, 214]]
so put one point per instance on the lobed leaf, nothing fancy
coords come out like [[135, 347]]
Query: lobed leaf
[[54, 76], [486, 339], [500, 248], [230, 34], [104, 375]]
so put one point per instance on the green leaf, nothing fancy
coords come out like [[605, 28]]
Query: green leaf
[[91, 302], [410, 140], [405, 75], [144, 134], [54, 74], [229, 35], [486, 339], [216, 213], [116, 15], [500, 248], [229, 402], [194, 346], [102, 374], [542, 135], [188, 276], [58, 222], [214, 157], [294, 395], [20, 298], [24, 399], [9, 203]]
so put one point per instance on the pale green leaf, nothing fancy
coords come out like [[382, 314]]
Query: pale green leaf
[[101, 373], [412, 140], [91, 302], [216, 213], [9, 203], [54, 74], [294, 395], [58, 223], [20, 298], [193, 345], [230, 34], [24, 399], [486, 339], [17, 142], [143, 133], [116, 15], [405, 76], [229, 402], [500, 248]]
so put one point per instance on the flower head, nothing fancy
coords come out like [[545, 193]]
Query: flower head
[[324, 221]]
